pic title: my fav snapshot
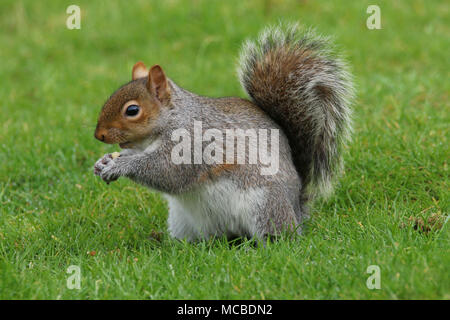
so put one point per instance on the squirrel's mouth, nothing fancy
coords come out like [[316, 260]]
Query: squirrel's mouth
[[125, 145]]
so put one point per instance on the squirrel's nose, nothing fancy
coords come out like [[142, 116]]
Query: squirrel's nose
[[100, 135]]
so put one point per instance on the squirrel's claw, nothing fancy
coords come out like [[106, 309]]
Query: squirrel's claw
[[104, 168]]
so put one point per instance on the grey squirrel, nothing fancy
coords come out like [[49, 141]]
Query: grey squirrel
[[297, 86]]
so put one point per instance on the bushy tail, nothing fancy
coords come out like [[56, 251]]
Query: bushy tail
[[296, 78]]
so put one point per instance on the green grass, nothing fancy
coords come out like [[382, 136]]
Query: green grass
[[53, 210]]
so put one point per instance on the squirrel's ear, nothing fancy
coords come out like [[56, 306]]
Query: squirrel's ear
[[139, 71], [157, 83]]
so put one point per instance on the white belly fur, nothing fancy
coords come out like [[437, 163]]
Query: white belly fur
[[216, 209]]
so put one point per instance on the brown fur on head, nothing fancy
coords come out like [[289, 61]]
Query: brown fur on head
[[120, 121]]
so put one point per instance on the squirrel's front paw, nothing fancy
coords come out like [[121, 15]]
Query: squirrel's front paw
[[106, 168]]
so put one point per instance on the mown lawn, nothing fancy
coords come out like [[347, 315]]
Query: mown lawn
[[390, 208]]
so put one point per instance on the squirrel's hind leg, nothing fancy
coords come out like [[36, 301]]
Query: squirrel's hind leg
[[277, 216]]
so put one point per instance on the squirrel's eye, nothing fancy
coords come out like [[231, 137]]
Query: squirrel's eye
[[132, 110]]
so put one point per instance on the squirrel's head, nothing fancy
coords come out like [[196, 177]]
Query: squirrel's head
[[127, 117]]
